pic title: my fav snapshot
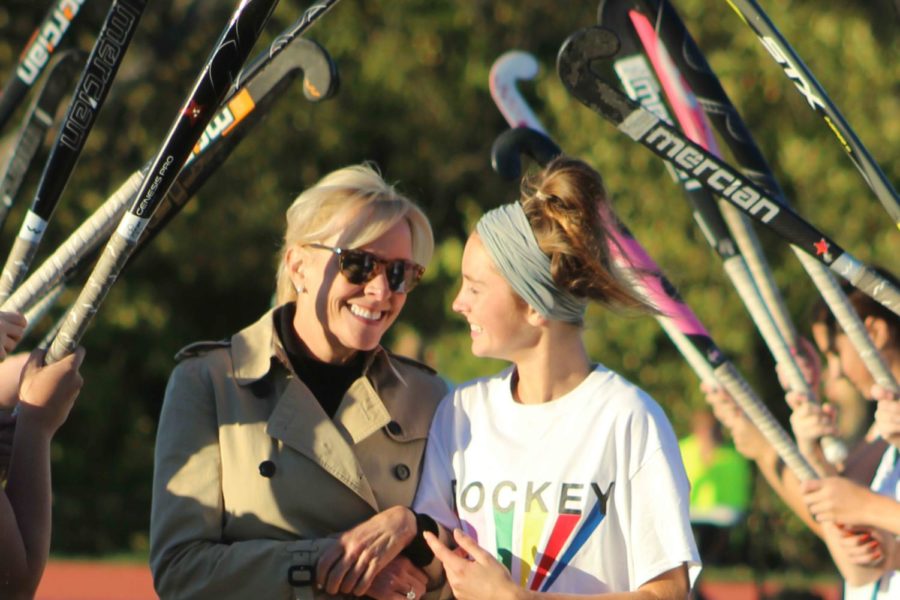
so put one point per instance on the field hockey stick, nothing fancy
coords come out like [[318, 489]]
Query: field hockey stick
[[794, 68], [90, 92], [261, 83], [265, 81], [630, 66], [211, 87], [86, 239], [255, 88], [693, 121], [638, 79], [676, 318], [573, 65], [37, 121], [697, 73], [36, 313], [37, 53], [509, 68]]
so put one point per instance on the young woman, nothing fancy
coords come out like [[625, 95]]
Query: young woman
[[556, 476], [286, 455]]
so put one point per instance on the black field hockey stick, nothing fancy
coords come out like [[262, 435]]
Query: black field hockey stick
[[37, 53], [210, 89], [37, 121], [634, 31], [630, 65], [255, 88], [814, 94], [676, 318], [90, 92], [574, 67], [264, 82], [641, 84], [694, 68]]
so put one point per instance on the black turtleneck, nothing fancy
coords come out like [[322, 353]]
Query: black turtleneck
[[327, 382]]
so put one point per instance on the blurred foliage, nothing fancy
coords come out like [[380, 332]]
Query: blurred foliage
[[415, 99]]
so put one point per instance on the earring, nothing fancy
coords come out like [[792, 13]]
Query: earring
[[299, 288]]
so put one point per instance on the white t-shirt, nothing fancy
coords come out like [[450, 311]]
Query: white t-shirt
[[887, 483], [584, 494]]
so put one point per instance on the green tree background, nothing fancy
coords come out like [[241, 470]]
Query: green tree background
[[415, 100]]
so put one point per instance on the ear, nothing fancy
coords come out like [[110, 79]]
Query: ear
[[533, 317], [294, 260], [879, 332]]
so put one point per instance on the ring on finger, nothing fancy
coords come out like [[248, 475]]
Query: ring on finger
[[411, 594]]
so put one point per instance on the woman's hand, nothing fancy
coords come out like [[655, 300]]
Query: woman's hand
[[47, 392], [350, 565], [475, 577], [397, 580], [810, 364], [747, 438], [863, 547], [12, 326], [887, 416], [836, 499], [810, 423]]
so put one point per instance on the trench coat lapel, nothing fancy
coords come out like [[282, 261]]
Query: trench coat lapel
[[299, 422], [362, 412]]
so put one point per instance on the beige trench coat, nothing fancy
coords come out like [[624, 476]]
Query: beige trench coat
[[251, 474]]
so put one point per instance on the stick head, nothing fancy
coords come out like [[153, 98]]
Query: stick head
[[509, 68], [574, 63], [320, 74], [615, 15], [285, 59], [509, 145], [505, 72]]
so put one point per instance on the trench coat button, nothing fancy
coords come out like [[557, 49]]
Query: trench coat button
[[394, 428], [401, 472], [267, 468]]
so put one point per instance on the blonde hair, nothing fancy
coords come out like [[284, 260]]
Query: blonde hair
[[565, 203], [357, 204]]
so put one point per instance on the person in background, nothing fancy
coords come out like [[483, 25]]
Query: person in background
[[720, 486], [287, 453]]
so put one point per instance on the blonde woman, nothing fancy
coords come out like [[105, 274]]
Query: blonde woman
[[296, 444]]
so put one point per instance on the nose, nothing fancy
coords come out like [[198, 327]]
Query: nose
[[378, 287], [459, 305]]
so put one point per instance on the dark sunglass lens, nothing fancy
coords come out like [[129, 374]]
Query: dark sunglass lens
[[396, 276], [357, 266]]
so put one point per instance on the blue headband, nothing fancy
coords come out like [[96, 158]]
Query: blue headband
[[507, 235]]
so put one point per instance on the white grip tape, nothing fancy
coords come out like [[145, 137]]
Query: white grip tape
[[131, 227], [33, 228]]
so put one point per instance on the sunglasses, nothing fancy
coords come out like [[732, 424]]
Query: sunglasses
[[361, 266]]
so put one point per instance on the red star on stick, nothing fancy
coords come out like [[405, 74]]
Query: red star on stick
[[193, 111], [821, 247]]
